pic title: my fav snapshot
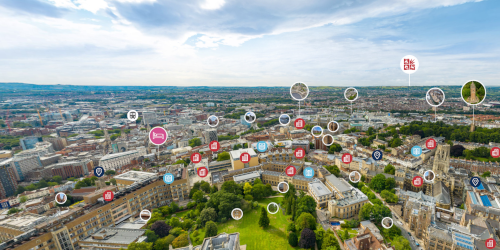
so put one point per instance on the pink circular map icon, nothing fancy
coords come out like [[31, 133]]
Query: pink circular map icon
[[158, 135]]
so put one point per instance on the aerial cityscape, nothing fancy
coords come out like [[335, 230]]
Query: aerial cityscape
[[249, 125]]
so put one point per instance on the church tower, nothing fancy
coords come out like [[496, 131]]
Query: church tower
[[442, 159]]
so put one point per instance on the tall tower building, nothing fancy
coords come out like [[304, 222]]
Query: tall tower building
[[8, 182], [442, 159], [473, 96], [210, 135]]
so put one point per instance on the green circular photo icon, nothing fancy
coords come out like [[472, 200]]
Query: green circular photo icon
[[473, 92]]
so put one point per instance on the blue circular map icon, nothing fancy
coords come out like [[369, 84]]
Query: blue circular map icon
[[308, 172], [98, 171], [475, 182], [377, 155], [262, 146], [168, 178], [416, 151]]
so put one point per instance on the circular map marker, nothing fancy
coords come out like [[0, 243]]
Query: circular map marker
[[108, 195], [416, 151], [158, 136], [308, 172], [214, 146], [290, 171], [495, 152], [202, 172], [245, 157], [417, 181], [346, 158], [377, 155], [430, 144], [168, 178], [195, 157], [299, 153], [98, 171], [299, 123]]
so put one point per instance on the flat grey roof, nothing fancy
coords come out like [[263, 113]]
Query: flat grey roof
[[340, 184], [319, 188], [246, 176], [116, 235]]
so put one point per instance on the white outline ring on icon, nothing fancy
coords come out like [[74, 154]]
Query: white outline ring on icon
[[62, 197], [277, 207], [208, 121], [236, 217], [284, 190], [430, 99], [300, 92], [351, 176], [312, 131], [428, 172], [250, 113], [145, 211], [323, 140], [387, 227], [345, 94], [284, 124], [333, 131]]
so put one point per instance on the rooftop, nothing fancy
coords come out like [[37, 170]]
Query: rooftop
[[115, 236]]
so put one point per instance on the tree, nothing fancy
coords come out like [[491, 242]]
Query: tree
[[290, 227], [163, 243], [113, 181], [195, 142], [198, 196], [307, 238], [57, 179], [232, 187], [320, 235], [174, 207], [247, 188], [110, 172], [486, 174], [205, 187], [305, 204], [152, 237], [305, 220], [223, 203], [390, 183], [365, 211], [140, 246], [379, 212], [345, 234], [180, 241], [400, 243], [23, 199], [335, 147], [378, 183], [389, 169], [160, 228], [333, 170], [263, 220], [457, 150], [208, 214], [20, 189], [224, 156], [330, 241], [214, 189], [292, 239], [14, 210], [210, 229], [259, 191]]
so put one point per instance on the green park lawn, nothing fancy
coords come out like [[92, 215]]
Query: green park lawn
[[255, 237]]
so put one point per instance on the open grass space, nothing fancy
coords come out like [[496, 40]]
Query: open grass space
[[255, 237]]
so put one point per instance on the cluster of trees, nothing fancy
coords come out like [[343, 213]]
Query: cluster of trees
[[452, 132], [256, 191], [56, 180], [228, 137], [252, 130], [393, 234], [161, 234], [335, 147], [269, 123], [195, 142], [238, 146], [367, 141], [333, 170], [389, 169], [389, 197], [224, 156], [9, 141], [379, 183]]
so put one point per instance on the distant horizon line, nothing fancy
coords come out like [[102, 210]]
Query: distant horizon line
[[224, 86]]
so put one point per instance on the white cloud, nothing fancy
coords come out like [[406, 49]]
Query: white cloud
[[91, 5], [212, 4]]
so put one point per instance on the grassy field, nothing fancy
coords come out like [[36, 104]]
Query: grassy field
[[256, 238]]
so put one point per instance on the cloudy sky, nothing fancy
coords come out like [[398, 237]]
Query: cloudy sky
[[248, 43]]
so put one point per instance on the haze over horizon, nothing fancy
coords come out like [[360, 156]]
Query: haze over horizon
[[239, 43]]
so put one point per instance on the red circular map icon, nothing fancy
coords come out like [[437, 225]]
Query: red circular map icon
[[245, 157], [195, 157], [490, 243], [299, 153], [299, 123], [202, 172], [346, 158], [430, 143], [290, 171], [108, 195], [495, 152], [417, 181], [214, 146]]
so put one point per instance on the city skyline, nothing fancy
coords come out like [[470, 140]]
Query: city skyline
[[267, 44]]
